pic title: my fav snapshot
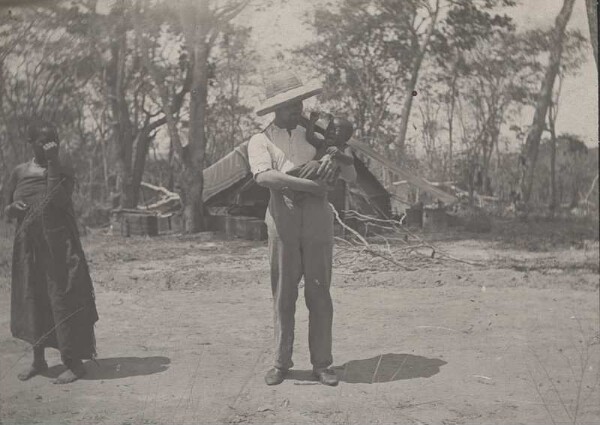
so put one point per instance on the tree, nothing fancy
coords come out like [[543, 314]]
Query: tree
[[572, 57], [592, 13], [372, 54], [200, 22], [410, 14], [552, 114], [543, 101], [229, 119], [430, 20], [464, 27], [357, 49], [136, 114], [493, 84], [429, 123]]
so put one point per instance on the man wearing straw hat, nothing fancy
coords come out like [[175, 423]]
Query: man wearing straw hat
[[300, 224]]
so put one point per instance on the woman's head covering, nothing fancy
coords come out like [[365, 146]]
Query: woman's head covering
[[41, 129]]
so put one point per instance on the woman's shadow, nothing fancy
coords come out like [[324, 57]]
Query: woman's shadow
[[117, 367], [383, 368]]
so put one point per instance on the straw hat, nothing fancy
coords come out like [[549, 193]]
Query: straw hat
[[282, 87]]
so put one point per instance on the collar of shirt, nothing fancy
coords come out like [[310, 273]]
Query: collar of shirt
[[293, 144]]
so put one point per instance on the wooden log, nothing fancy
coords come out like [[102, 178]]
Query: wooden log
[[435, 219], [414, 217], [135, 224], [249, 228]]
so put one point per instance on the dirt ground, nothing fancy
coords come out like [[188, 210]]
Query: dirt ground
[[185, 336]]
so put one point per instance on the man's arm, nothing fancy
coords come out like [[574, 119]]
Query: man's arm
[[260, 161], [276, 180], [330, 169]]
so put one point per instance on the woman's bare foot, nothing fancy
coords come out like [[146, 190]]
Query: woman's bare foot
[[72, 374], [33, 370]]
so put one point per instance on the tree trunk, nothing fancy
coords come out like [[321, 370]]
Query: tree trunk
[[193, 178], [171, 171], [142, 144], [450, 166], [407, 103], [412, 83], [105, 169], [592, 13], [170, 107], [90, 185], [552, 164], [552, 115], [487, 160], [122, 132], [543, 101], [195, 151]]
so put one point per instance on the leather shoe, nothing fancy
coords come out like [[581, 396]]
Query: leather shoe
[[326, 377], [275, 376]]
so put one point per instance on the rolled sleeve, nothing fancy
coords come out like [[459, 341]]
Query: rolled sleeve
[[259, 156]]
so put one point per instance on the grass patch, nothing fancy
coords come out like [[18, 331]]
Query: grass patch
[[546, 234]]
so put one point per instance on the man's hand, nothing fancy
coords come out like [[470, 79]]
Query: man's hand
[[16, 209], [309, 170], [327, 168], [340, 156], [51, 152]]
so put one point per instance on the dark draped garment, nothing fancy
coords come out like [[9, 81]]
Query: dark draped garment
[[52, 297]]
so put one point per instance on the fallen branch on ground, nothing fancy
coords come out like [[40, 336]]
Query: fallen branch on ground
[[398, 242]]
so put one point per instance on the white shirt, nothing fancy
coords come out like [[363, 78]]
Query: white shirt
[[278, 149]]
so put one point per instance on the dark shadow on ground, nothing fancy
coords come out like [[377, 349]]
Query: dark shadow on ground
[[383, 368], [117, 367]]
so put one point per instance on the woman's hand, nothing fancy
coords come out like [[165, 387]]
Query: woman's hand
[[51, 152]]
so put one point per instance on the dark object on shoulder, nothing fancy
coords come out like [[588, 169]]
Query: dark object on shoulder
[[323, 130], [328, 135]]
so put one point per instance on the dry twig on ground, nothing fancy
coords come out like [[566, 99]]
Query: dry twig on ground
[[396, 246]]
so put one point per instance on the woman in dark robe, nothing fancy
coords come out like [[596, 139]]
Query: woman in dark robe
[[52, 297]]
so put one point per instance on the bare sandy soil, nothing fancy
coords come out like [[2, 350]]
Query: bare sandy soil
[[185, 336]]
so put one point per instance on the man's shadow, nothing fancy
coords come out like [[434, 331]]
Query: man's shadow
[[117, 367], [383, 368]]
